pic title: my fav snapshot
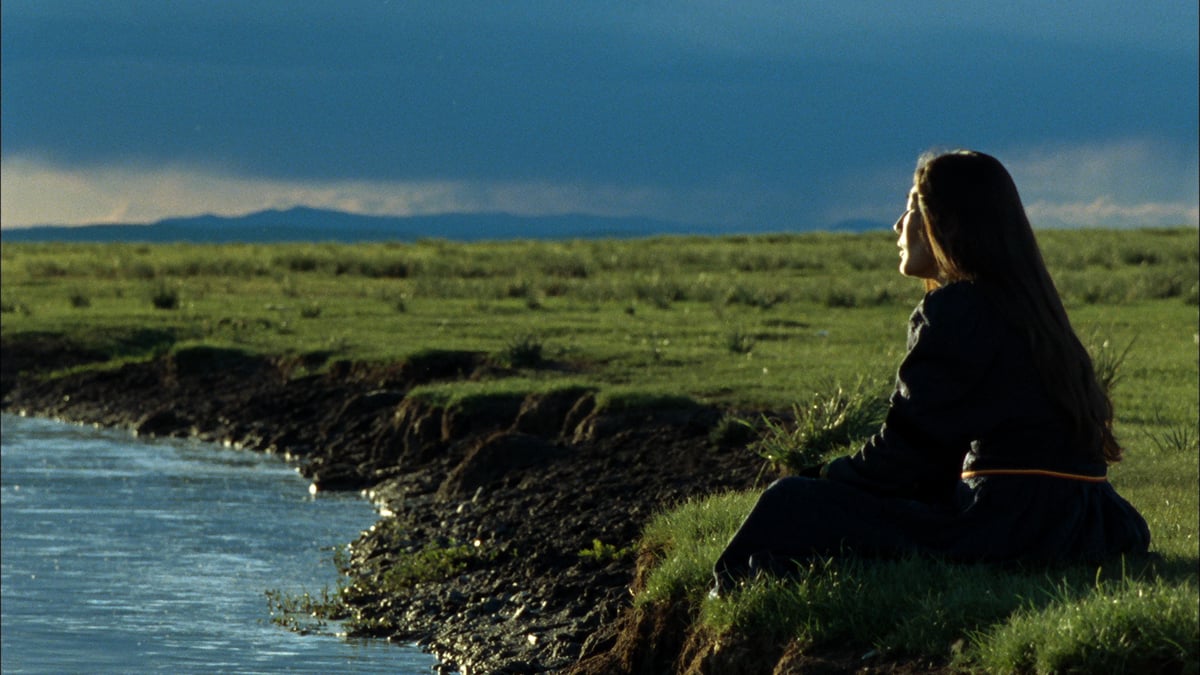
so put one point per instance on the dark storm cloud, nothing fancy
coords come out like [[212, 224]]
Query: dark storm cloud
[[683, 96]]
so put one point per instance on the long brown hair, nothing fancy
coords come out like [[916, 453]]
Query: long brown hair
[[978, 231]]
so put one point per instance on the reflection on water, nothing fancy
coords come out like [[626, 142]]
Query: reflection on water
[[121, 555]]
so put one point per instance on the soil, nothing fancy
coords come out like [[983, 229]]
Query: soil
[[524, 483]]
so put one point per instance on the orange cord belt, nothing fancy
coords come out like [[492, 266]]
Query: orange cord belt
[[1032, 472]]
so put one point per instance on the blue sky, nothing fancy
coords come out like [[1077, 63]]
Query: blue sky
[[752, 114]]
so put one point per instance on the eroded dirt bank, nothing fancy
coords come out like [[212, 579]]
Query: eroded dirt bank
[[518, 485]]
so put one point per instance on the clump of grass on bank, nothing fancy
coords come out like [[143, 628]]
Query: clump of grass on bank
[[430, 563], [393, 575], [833, 420], [307, 612], [1123, 627], [304, 612], [525, 351], [687, 541]]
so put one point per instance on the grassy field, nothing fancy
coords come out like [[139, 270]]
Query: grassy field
[[751, 323]]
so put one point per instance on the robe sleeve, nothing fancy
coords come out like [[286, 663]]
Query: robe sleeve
[[938, 406]]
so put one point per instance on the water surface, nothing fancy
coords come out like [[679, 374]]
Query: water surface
[[124, 555]]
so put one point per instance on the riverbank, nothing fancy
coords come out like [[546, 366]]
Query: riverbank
[[541, 498]]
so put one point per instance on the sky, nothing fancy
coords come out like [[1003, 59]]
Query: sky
[[752, 115]]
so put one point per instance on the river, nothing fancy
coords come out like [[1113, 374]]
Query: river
[[125, 555]]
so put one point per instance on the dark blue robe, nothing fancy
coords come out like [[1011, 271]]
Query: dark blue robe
[[974, 462]]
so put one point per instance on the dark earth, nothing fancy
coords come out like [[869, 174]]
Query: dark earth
[[519, 486], [534, 480]]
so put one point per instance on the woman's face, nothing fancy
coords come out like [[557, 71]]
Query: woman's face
[[916, 258]]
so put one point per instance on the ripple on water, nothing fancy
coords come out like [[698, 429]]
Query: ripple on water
[[127, 555]]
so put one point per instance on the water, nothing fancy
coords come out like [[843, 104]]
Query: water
[[122, 555]]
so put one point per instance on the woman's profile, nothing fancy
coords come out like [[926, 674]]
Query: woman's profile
[[998, 435]]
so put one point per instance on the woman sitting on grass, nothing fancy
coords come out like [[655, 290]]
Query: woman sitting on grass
[[998, 434]]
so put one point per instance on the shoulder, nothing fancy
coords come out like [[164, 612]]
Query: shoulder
[[958, 300], [955, 316]]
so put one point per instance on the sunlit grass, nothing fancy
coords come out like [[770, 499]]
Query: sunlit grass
[[1133, 615]]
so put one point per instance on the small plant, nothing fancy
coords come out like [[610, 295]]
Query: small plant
[[836, 297], [289, 288], [661, 294], [1107, 361], [523, 352], [519, 289], [300, 262], [310, 311], [828, 422], [337, 344], [882, 296], [605, 553], [1175, 438], [431, 563], [740, 342], [1139, 257], [165, 297], [731, 431], [753, 297], [386, 269], [304, 613], [523, 289], [79, 299], [10, 306]]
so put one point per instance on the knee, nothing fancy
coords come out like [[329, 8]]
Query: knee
[[787, 489], [787, 482]]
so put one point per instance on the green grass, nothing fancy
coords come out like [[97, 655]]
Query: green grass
[[757, 324], [828, 425], [1125, 627], [602, 553], [752, 321], [1078, 619]]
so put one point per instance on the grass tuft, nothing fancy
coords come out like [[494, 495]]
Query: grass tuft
[[164, 297], [830, 421], [1129, 627], [431, 563], [1107, 360], [739, 342], [603, 553], [79, 299], [524, 351], [1181, 438], [686, 541]]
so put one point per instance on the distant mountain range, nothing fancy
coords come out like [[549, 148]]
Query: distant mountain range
[[308, 224]]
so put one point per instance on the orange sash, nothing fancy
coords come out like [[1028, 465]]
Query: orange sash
[[1032, 472]]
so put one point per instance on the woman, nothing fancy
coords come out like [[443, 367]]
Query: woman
[[997, 436]]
